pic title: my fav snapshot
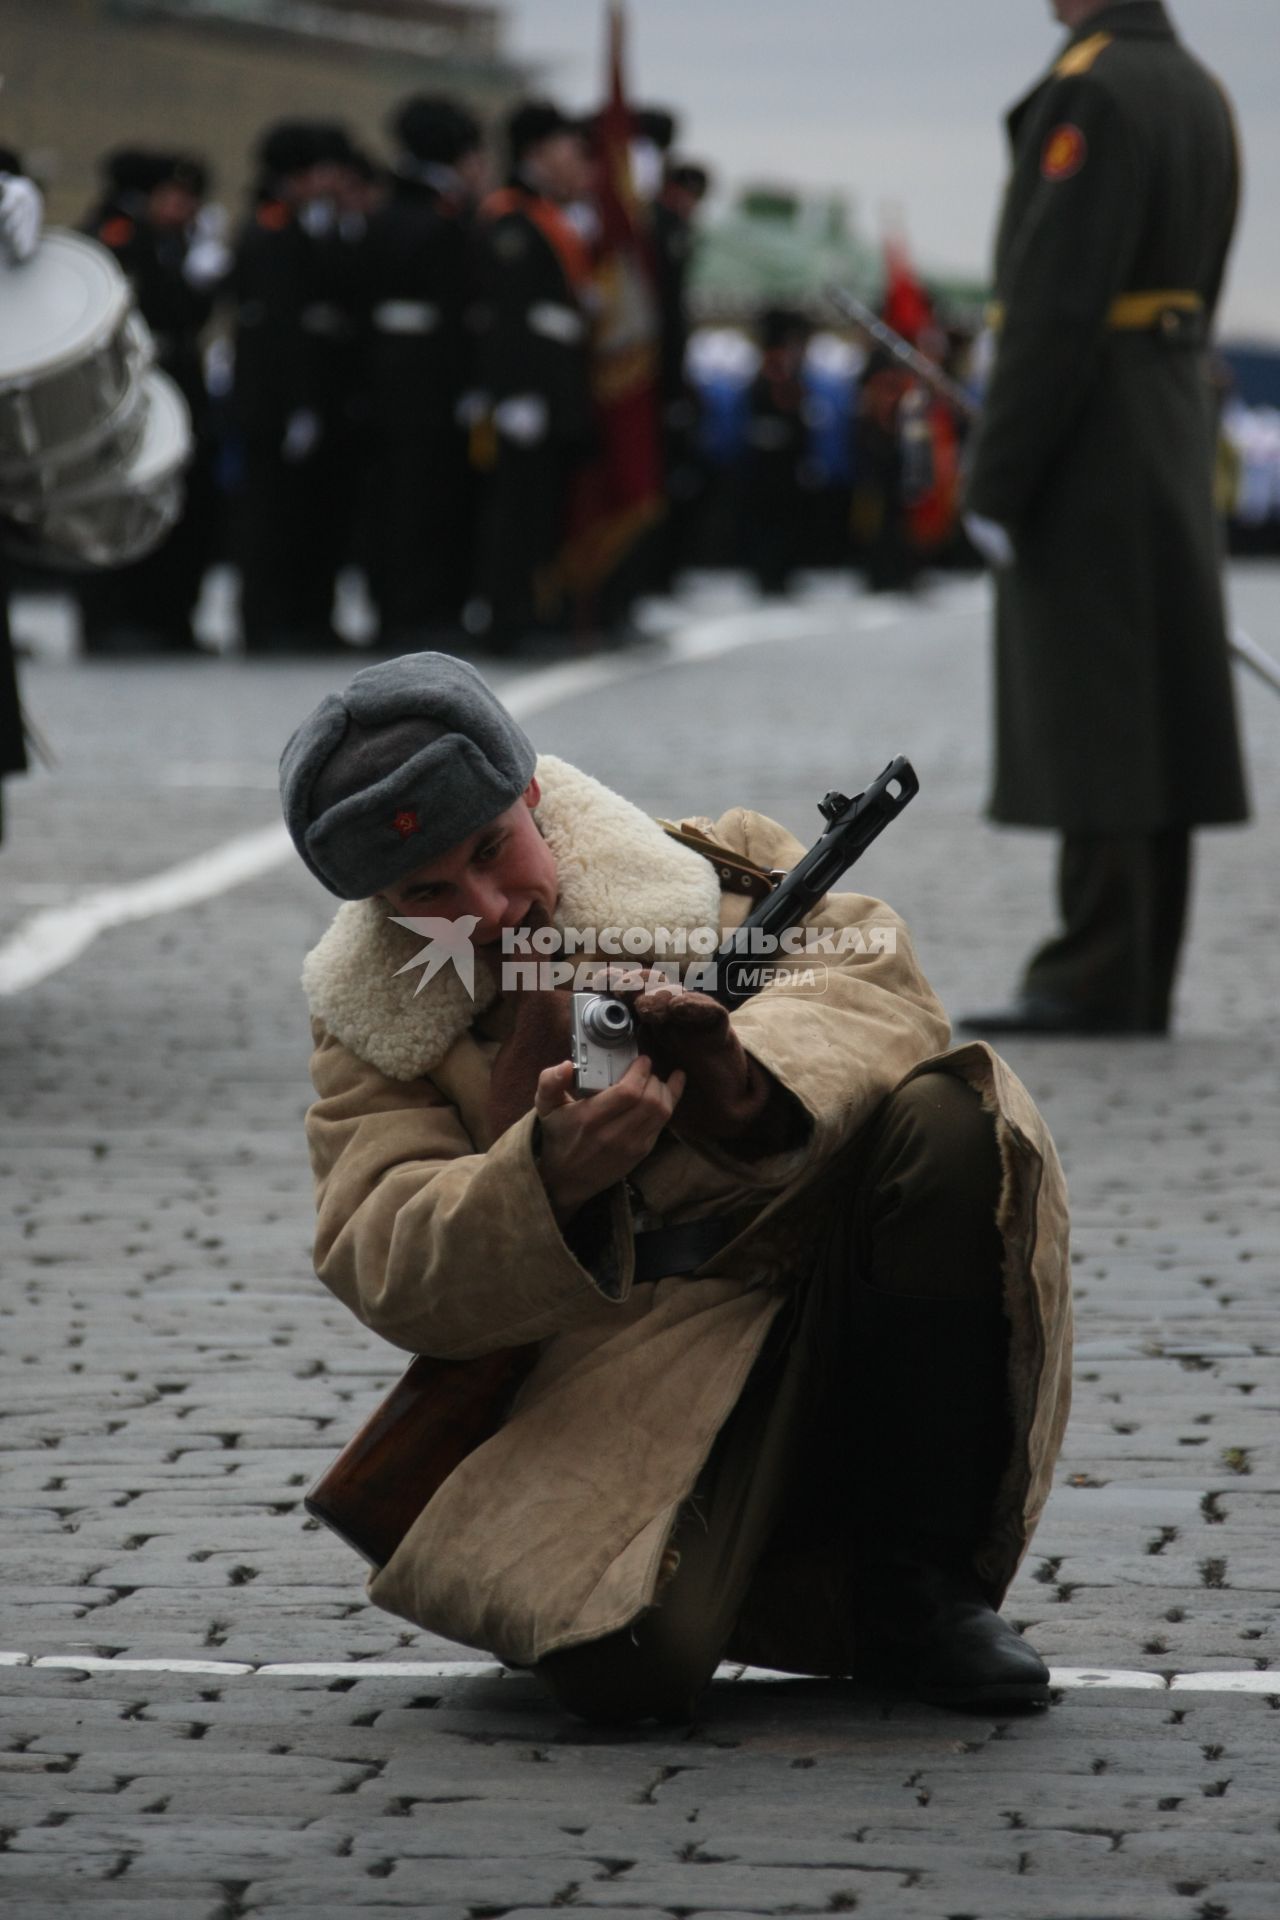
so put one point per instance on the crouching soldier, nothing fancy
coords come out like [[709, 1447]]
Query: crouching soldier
[[794, 1289]]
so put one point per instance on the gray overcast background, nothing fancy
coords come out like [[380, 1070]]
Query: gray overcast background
[[897, 102]]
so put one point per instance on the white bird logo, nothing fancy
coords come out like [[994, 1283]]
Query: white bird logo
[[447, 940]]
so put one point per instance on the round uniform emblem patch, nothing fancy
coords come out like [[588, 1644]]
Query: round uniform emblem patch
[[1065, 152]]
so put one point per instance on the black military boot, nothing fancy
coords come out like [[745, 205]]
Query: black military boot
[[931, 1436]]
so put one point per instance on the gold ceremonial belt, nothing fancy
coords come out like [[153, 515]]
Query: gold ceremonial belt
[[1130, 312], [1136, 312]]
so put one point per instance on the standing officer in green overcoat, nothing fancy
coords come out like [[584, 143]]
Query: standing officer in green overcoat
[[1091, 492]]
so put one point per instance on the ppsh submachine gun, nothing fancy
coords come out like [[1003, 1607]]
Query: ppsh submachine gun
[[440, 1411], [602, 1030]]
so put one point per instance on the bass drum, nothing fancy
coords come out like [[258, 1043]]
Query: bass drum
[[72, 353], [124, 516]]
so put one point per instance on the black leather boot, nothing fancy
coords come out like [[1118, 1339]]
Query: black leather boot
[[931, 1428]]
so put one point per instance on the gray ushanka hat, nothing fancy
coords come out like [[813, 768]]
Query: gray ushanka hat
[[416, 754]]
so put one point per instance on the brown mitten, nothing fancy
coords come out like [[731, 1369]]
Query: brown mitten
[[539, 1039], [728, 1095]]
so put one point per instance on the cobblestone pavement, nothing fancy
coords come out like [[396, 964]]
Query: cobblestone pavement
[[171, 1376]]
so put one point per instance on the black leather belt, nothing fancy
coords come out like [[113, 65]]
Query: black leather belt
[[663, 1251]]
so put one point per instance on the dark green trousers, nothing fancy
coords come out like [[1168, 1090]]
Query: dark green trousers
[[916, 1225], [1123, 899]]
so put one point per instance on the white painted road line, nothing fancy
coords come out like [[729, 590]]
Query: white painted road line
[[1108, 1679], [1092, 1679], [102, 1663], [384, 1669], [56, 936], [1265, 1683], [1067, 1679]]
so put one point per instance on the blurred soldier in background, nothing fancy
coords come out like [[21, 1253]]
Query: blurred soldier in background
[[21, 216], [777, 444], [154, 218], [899, 518], [296, 346], [533, 369], [883, 437], [1092, 492], [684, 188], [420, 496]]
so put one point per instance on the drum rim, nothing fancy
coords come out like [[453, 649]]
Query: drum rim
[[103, 332], [163, 398], [160, 507], [22, 479]]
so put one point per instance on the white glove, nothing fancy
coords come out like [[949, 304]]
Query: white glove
[[21, 215], [208, 261], [211, 222], [994, 542], [317, 218], [301, 435], [523, 419]]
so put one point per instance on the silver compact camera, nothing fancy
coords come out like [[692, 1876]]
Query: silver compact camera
[[602, 1041]]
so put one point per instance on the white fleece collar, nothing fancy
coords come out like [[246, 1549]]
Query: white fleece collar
[[617, 868]]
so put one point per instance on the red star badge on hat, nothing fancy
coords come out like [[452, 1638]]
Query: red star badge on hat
[[406, 822]]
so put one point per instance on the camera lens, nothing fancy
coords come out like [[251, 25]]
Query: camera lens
[[607, 1021]]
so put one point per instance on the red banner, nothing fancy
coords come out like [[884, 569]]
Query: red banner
[[619, 495]]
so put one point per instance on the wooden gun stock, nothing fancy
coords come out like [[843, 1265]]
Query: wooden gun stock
[[438, 1412]]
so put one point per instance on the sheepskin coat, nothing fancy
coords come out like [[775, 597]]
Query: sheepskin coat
[[442, 1239]]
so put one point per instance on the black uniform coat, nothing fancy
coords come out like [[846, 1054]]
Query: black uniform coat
[[673, 241], [413, 269], [531, 277], [1114, 703], [532, 340], [414, 282], [176, 311], [296, 350]]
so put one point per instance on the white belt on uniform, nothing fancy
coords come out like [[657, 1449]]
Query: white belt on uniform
[[406, 316], [555, 322]]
